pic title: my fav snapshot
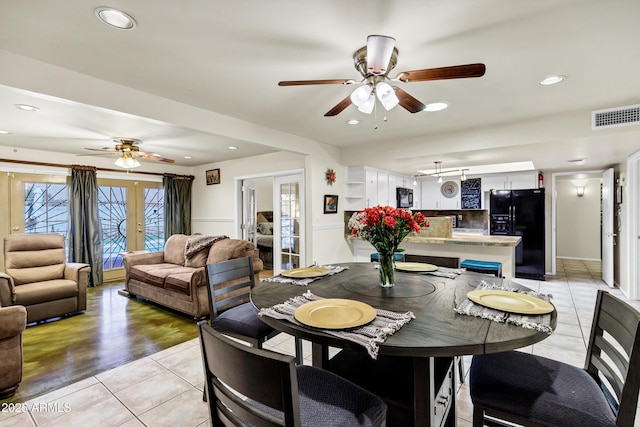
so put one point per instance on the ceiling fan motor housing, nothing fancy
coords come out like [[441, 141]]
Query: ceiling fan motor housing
[[360, 62]]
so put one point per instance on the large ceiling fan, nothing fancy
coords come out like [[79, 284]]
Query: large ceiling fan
[[374, 62], [128, 151]]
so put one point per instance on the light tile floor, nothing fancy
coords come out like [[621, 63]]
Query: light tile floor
[[165, 389]]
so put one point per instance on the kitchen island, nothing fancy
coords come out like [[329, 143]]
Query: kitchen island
[[463, 246]]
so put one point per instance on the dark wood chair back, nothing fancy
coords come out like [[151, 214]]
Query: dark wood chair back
[[440, 261], [613, 355], [229, 284], [268, 379]]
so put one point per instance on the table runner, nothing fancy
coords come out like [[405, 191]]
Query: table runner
[[334, 269], [369, 336], [539, 322]]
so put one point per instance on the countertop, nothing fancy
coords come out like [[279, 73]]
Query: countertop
[[466, 239]]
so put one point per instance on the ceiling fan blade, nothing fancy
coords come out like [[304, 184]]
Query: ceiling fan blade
[[443, 73], [96, 155], [339, 107], [151, 156], [379, 51], [104, 150], [316, 82], [408, 102]]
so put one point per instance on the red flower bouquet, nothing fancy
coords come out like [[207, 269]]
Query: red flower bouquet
[[385, 227]]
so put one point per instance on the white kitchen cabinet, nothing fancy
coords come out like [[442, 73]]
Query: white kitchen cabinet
[[430, 194], [383, 190], [402, 181], [512, 181], [523, 181], [371, 187], [432, 197], [366, 187], [493, 182]]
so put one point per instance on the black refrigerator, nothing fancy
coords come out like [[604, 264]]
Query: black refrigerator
[[521, 213]]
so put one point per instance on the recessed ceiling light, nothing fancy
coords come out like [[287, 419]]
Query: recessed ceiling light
[[188, 157], [4, 132], [116, 18], [232, 147], [25, 107], [436, 106], [551, 80], [353, 122]]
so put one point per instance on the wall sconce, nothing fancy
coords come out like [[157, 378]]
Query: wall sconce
[[580, 191]]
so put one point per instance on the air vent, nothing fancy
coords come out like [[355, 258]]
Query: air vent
[[615, 117]]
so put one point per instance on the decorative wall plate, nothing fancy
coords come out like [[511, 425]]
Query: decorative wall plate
[[330, 176], [449, 189]]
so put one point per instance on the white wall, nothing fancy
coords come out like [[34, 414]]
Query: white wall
[[264, 192], [326, 243], [578, 219], [214, 206]]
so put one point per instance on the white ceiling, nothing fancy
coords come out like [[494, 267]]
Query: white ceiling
[[196, 76]]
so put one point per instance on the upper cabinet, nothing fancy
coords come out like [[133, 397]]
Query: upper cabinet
[[440, 195], [512, 181], [366, 187], [446, 195]]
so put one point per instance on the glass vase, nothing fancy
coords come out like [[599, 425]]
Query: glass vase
[[387, 269]]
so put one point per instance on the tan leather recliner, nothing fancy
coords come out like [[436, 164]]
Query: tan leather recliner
[[38, 277], [13, 321]]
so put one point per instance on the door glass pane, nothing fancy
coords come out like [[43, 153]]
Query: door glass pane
[[290, 225], [153, 219], [46, 208], [112, 210], [250, 210]]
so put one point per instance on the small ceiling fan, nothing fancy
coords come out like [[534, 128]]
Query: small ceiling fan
[[129, 150], [374, 62]]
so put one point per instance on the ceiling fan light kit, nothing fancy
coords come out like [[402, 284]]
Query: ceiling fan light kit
[[127, 161], [374, 62], [129, 150], [386, 95]]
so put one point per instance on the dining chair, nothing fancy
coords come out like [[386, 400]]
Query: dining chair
[[250, 386], [229, 284], [532, 390]]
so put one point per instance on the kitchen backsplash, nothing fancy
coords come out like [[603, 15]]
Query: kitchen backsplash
[[467, 218]]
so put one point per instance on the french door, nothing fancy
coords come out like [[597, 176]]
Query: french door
[[132, 219], [288, 219], [131, 213]]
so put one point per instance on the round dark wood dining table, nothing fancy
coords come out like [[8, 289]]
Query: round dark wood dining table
[[414, 371]]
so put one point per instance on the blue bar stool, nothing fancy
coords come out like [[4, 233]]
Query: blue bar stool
[[397, 256], [494, 268]]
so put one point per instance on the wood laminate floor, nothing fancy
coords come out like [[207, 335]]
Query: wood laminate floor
[[114, 330]]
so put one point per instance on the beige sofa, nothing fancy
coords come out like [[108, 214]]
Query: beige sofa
[[176, 277]]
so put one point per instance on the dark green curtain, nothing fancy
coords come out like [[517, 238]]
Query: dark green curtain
[[85, 231], [177, 204]]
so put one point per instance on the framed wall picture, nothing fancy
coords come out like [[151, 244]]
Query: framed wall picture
[[213, 176], [330, 204]]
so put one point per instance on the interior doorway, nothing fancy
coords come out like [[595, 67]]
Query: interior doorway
[[580, 220], [271, 215]]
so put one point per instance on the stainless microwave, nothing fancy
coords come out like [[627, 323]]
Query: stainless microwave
[[404, 197]]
